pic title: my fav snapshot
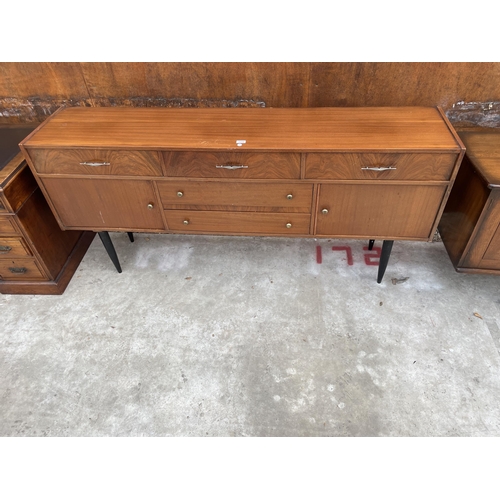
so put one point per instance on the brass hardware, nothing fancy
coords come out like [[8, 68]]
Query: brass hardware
[[378, 169], [18, 270], [180, 194], [150, 206], [94, 163], [289, 196], [186, 222], [288, 225], [5, 249], [324, 211]]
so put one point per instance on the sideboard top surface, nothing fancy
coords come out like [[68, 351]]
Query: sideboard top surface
[[270, 129], [483, 150]]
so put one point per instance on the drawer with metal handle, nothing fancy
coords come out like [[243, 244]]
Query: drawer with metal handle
[[20, 269], [96, 162], [232, 165], [237, 196], [237, 222], [13, 247], [380, 166]]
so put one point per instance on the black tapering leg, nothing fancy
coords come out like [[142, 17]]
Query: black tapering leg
[[108, 245], [131, 237], [370, 244], [384, 259]]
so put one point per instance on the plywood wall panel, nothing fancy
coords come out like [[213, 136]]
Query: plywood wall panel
[[403, 84], [468, 92], [278, 84], [39, 79]]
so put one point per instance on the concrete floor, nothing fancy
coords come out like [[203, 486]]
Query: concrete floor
[[238, 336]]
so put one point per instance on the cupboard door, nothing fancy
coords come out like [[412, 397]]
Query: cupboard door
[[484, 252], [381, 212], [105, 204]]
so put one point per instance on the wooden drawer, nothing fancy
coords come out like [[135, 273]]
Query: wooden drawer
[[96, 162], [394, 166], [20, 270], [242, 196], [237, 222], [6, 226], [248, 165], [379, 212], [13, 247]]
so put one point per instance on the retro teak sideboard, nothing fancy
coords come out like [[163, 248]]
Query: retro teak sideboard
[[371, 173], [470, 225]]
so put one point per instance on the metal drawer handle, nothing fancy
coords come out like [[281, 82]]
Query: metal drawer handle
[[95, 163], [18, 270], [378, 169], [231, 167], [5, 249]]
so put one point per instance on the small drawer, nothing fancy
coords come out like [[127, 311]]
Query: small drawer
[[232, 165], [13, 247], [96, 162], [243, 196], [237, 222], [7, 226], [380, 166], [20, 270]]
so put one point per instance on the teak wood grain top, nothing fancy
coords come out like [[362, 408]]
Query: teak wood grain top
[[483, 150], [270, 129]]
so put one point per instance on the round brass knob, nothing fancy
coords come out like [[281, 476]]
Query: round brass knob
[[289, 196], [288, 225], [180, 194], [186, 222], [150, 206], [324, 211]]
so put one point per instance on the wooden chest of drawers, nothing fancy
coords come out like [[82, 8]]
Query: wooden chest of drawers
[[36, 257], [374, 173], [470, 225]]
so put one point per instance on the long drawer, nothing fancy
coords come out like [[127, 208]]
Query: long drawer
[[232, 165], [380, 166], [20, 269], [237, 222], [279, 197], [13, 247], [96, 162]]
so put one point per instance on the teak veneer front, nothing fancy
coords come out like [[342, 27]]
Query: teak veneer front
[[377, 173]]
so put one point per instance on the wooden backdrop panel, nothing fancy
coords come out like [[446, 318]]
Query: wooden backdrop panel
[[468, 92]]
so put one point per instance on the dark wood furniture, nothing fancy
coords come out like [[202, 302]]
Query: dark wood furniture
[[470, 225], [371, 173], [36, 257]]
